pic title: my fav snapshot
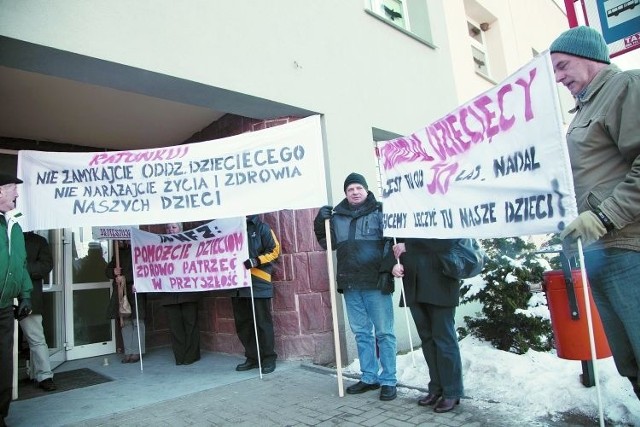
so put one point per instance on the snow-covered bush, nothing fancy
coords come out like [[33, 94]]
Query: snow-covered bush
[[513, 318]]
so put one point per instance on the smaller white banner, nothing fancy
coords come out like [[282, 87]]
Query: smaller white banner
[[207, 258], [114, 232]]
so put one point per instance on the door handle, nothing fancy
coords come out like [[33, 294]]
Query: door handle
[[48, 286]]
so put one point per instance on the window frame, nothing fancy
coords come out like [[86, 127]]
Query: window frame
[[480, 46], [374, 9]]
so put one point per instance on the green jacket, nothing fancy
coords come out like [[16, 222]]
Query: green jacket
[[604, 148], [14, 277]]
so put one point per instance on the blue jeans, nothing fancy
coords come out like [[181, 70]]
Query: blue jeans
[[614, 276], [371, 320]]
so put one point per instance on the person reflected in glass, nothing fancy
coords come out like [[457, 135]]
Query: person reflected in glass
[[91, 267]]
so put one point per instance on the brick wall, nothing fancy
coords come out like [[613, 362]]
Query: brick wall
[[301, 305]]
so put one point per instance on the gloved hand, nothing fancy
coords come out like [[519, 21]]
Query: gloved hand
[[386, 283], [587, 227], [24, 308], [325, 212], [251, 262]]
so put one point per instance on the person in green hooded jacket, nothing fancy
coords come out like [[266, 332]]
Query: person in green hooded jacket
[[14, 283]]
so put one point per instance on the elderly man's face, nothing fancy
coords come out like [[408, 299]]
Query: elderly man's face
[[356, 194], [573, 72], [8, 196]]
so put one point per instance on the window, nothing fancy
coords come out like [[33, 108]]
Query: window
[[478, 47], [409, 16], [380, 135], [393, 10]]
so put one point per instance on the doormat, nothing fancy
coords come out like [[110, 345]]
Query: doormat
[[67, 380]]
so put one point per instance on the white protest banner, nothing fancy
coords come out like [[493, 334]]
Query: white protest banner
[[496, 166], [122, 232], [209, 257], [281, 167]]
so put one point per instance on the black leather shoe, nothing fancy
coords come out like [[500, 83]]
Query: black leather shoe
[[429, 399], [267, 369], [361, 387], [248, 364], [445, 405], [47, 385], [388, 392]]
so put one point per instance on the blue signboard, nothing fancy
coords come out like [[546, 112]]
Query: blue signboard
[[619, 19]]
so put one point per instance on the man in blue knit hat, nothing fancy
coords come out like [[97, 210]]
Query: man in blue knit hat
[[604, 147]]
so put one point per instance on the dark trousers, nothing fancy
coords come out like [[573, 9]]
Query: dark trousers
[[436, 328], [246, 333], [6, 359], [185, 332]]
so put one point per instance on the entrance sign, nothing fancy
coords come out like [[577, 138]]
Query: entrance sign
[[496, 166], [277, 168], [207, 258], [116, 232]]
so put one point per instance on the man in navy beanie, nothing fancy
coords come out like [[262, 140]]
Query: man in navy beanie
[[364, 262], [604, 148]]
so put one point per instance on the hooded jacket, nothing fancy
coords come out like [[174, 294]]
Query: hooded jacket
[[361, 250], [263, 246]]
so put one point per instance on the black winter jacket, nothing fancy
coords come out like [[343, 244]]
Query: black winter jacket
[[362, 251], [264, 246], [423, 279], [39, 265]]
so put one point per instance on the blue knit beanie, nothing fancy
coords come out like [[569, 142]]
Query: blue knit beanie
[[584, 42]]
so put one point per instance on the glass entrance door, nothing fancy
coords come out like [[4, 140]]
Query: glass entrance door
[[89, 331]]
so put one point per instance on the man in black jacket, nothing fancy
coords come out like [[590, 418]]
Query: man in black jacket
[[39, 264], [264, 250], [364, 263]]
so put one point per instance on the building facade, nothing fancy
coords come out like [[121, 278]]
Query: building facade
[[119, 75]]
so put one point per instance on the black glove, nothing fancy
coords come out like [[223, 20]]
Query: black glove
[[386, 283], [251, 262], [325, 212], [24, 309]]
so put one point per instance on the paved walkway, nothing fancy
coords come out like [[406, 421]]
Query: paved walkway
[[306, 396], [211, 393]]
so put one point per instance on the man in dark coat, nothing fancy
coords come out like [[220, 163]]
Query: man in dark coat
[[432, 298], [182, 311], [39, 264], [364, 278], [264, 249]]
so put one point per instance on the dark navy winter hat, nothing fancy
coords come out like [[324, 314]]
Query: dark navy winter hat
[[584, 42], [9, 179], [355, 178]]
